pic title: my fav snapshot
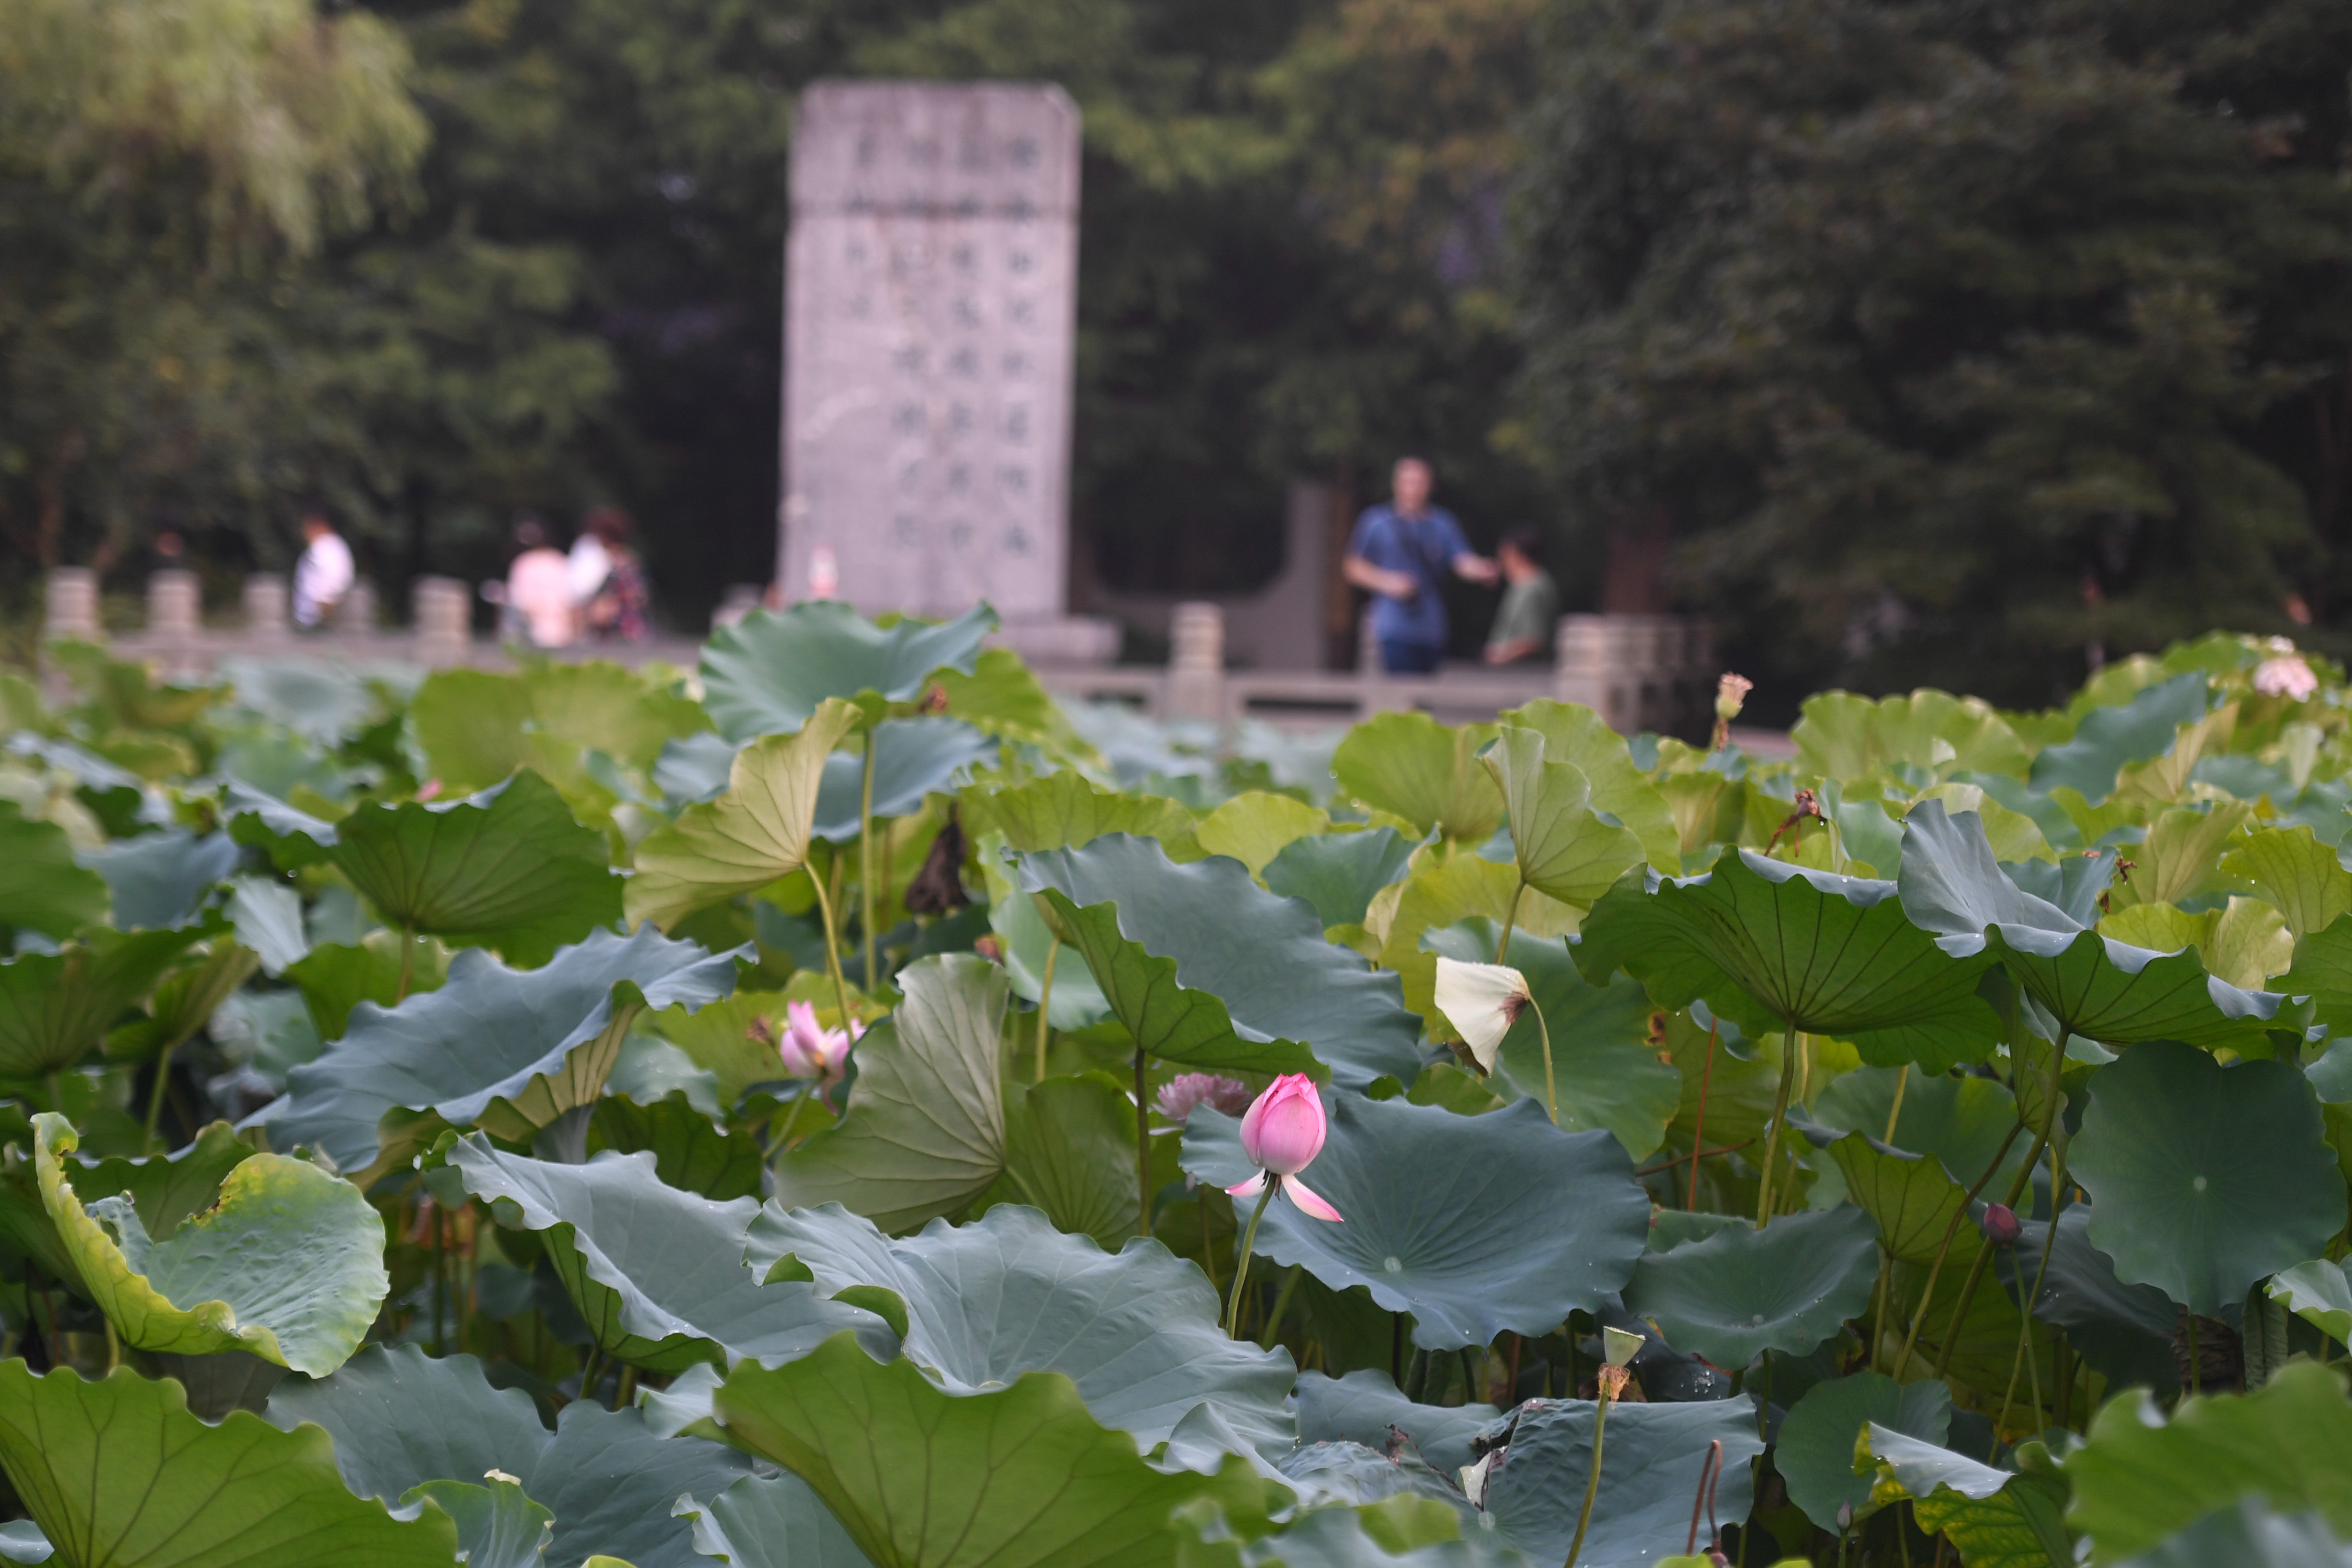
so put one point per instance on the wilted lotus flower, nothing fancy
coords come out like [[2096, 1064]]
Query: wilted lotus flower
[[811, 1050], [1999, 1224], [1282, 1132], [2286, 676], [1187, 1090], [1481, 1001], [1730, 697]]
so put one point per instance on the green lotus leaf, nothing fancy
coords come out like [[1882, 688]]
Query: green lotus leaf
[[690, 1150], [498, 1525], [1010, 1479], [321, 701], [401, 1419], [1254, 827], [2320, 1293], [42, 888], [658, 1273], [185, 1002], [505, 1049], [164, 1190], [1651, 1460], [288, 1264], [1361, 1406], [1473, 1224], [2122, 1331], [1408, 1530], [1001, 698], [157, 879], [508, 868], [1606, 1071], [1562, 846], [1742, 1291], [1069, 1150], [1076, 1002], [119, 1474], [1995, 1517], [770, 1522], [1768, 945], [771, 671], [1410, 766], [1063, 810], [2323, 971], [912, 757], [1205, 967], [336, 976], [2091, 985], [1446, 893], [1844, 737], [266, 913], [2205, 1178], [924, 1134], [756, 832], [1339, 873], [2140, 1478], [476, 727], [1907, 1196], [55, 1007], [2107, 739], [1580, 737], [2249, 1536], [1813, 1450], [1963, 1122], [1135, 1330]]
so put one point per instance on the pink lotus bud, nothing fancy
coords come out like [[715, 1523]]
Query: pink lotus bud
[[1999, 1224], [1283, 1130], [2286, 676], [811, 1050], [1187, 1090]]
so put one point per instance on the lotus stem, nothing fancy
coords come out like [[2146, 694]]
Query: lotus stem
[[1510, 919], [832, 950], [1240, 1263], [1142, 1146], [1943, 1249], [407, 962], [866, 861], [792, 1118], [1045, 1003], [2196, 1373], [1789, 1054], [1281, 1305], [155, 1096], [2025, 1323], [627, 1392], [1699, 1126], [1208, 1246], [1593, 1481], [2017, 1188], [1552, 1090], [1895, 1111], [57, 1092]]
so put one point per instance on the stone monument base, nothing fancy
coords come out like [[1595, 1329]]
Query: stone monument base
[[1067, 641]]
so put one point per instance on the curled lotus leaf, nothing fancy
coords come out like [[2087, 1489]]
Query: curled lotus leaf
[[769, 671]]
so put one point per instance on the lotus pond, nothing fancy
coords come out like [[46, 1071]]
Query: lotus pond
[[836, 1106]]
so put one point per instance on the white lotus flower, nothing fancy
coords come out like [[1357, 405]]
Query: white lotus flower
[[1481, 1001]]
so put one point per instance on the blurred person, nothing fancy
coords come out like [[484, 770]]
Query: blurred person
[[608, 580], [1400, 551], [1527, 619], [537, 593], [324, 574]]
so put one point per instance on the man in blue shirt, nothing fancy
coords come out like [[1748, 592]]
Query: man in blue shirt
[[1400, 552]]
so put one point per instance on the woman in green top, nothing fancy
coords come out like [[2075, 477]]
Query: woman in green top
[[1524, 621]]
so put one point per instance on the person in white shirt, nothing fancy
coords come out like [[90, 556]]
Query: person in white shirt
[[590, 564], [324, 575]]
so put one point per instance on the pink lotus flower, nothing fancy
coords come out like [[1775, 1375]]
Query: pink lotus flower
[[1999, 1224], [2286, 676], [811, 1050], [1282, 1132], [1187, 1090]]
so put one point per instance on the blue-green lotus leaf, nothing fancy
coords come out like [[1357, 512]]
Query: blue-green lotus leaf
[[2122, 1331], [1473, 1224], [2320, 1293], [1361, 1406], [1339, 872], [770, 1522], [696, 768], [2108, 740], [1813, 1450], [767, 673], [1997, 1517], [1345, 1474], [321, 701], [2205, 1178], [1651, 1457], [42, 888], [1742, 1291], [402, 1419], [658, 1273], [1771, 946], [1206, 967], [1342, 1538], [505, 1049], [157, 879], [912, 757], [1137, 1331], [2249, 1536], [2092, 985]]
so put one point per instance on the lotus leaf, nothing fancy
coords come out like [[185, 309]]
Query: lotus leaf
[[2124, 1332], [163, 1191], [183, 1003], [506, 1049], [2249, 1536], [1001, 698], [266, 915], [385, 967], [1254, 827], [1361, 1406], [401, 1419], [1576, 735], [912, 757], [1473, 1224], [2320, 1293], [1339, 873], [1135, 1331], [923, 1479], [1772, 945], [690, 1150], [1069, 1150], [56, 1006], [157, 879], [1997, 1517], [289, 1263], [1651, 1465], [2109, 739], [1742, 1291], [1963, 1122], [1562, 846], [771, 1522], [321, 702], [1028, 943], [119, 1474], [2323, 971], [1410, 766], [767, 674], [1205, 967], [1813, 1450], [925, 1132], [2205, 1178], [1844, 737], [1325, 1474], [1062, 810], [41, 886], [476, 727]]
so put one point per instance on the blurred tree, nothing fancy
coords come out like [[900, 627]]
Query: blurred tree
[[1949, 341]]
